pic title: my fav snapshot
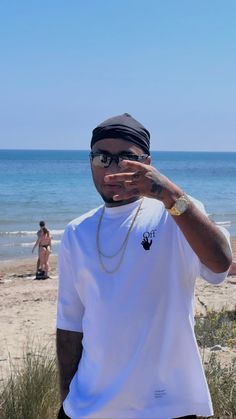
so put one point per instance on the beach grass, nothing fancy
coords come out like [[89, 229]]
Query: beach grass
[[222, 384], [217, 330], [32, 390]]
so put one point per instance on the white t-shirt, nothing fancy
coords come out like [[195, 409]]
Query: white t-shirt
[[140, 358]]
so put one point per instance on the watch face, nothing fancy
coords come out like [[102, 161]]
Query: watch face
[[181, 204]]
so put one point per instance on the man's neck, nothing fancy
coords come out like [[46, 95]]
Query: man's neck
[[120, 203]]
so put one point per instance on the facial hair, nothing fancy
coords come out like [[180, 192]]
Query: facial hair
[[110, 201]]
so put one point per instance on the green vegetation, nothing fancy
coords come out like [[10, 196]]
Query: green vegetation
[[31, 392], [216, 328], [219, 328], [222, 384]]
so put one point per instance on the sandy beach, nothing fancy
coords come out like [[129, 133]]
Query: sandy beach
[[28, 306]]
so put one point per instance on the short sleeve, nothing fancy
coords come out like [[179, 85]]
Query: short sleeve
[[204, 271], [70, 309]]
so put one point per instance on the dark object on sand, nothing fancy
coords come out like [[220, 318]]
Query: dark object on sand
[[41, 275]]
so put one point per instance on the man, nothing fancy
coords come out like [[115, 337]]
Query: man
[[127, 270]]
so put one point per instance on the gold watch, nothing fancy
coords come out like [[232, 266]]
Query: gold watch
[[180, 206]]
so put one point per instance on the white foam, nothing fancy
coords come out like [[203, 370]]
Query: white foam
[[224, 223], [56, 232], [17, 233], [56, 242], [29, 244], [25, 244], [29, 233]]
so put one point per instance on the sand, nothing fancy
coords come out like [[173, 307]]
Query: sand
[[28, 306]]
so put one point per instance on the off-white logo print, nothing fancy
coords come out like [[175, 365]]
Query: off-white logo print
[[147, 239]]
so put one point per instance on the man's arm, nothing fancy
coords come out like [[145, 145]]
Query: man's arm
[[69, 352], [207, 241]]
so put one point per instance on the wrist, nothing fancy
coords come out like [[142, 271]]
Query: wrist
[[180, 206], [170, 197]]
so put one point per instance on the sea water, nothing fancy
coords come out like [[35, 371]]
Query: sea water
[[56, 186]]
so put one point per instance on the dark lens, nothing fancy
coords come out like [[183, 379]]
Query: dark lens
[[105, 159], [101, 159], [132, 157]]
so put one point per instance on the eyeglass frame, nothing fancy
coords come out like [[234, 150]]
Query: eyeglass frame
[[117, 157]]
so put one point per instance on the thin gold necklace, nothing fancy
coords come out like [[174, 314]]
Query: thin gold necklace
[[122, 248]]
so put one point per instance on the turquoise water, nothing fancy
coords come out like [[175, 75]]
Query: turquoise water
[[56, 186]]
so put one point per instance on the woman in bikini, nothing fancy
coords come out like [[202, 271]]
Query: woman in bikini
[[44, 243]]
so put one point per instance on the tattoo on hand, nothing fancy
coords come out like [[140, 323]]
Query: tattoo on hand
[[156, 188]]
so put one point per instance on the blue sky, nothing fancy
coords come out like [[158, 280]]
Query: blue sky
[[68, 65]]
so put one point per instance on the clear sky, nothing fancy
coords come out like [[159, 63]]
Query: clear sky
[[68, 65]]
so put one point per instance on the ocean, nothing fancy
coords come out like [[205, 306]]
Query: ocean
[[56, 186]]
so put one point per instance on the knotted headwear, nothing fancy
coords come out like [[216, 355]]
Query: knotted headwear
[[124, 127]]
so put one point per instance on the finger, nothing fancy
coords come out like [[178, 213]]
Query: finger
[[134, 165], [118, 177], [121, 177]]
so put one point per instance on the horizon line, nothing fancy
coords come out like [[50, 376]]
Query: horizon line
[[88, 149]]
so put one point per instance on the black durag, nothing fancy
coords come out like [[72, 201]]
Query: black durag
[[124, 127]]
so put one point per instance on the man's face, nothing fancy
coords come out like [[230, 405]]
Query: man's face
[[112, 146]]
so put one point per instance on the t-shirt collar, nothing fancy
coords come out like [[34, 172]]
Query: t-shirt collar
[[121, 209]]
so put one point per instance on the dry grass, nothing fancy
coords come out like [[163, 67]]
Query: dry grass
[[219, 328], [216, 328], [31, 392], [222, 384]]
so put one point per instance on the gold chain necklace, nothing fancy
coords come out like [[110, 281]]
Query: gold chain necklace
[[122, 248]]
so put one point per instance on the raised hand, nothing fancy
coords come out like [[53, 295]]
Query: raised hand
[[142, 180], [206, 240]]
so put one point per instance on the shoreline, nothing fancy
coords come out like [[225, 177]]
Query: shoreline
[[22, 257], [53, 257]]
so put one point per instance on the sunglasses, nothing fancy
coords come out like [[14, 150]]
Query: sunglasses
[[102, 159]]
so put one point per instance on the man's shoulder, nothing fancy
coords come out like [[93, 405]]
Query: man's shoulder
[[86, 218], [81, 225]]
